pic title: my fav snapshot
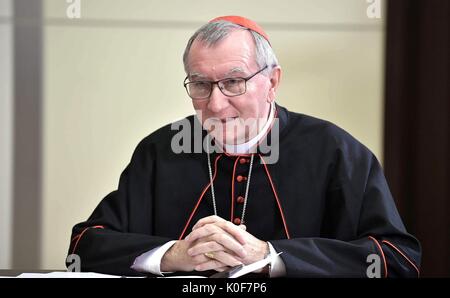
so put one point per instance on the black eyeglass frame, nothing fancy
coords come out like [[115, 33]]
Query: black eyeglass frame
[[212, 83]]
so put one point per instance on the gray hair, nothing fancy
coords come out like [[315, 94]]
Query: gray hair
[[211, 33]]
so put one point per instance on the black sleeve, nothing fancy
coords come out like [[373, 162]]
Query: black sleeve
[[108, 242], [362, 220]]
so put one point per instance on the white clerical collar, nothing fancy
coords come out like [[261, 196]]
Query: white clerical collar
[[245, 147]]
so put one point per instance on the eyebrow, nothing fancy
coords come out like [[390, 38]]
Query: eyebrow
[[195, 75], [235, 70]]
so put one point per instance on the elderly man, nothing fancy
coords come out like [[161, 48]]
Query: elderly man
[[315, 204]]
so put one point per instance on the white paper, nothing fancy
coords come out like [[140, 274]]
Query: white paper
[[251, 267], [183, 276], [239, 272], [67, 275]]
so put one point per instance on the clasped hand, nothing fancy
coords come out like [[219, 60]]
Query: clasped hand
[[214, 244]]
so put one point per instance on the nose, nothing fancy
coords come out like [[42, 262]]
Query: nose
[[217, 101]]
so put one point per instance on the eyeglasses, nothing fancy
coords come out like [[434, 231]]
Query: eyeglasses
[[229, 86]]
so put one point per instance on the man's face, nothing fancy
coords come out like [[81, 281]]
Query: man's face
[[232, 57]]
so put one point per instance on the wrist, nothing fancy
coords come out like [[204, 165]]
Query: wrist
[[168, 260], [267, 268], [265, 252]]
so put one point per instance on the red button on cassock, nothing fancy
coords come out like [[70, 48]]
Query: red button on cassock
[[240, 178], [240, 199], [237, 221], [242, 161]]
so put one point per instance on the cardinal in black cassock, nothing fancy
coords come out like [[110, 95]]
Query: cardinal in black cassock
[[318, 196], [324, 204]]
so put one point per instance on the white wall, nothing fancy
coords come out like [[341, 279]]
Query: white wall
[[6, 126], [115, 75]]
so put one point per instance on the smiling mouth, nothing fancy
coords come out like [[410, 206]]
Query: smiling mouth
[[225, 120]]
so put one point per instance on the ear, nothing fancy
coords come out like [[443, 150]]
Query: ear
[[275, 77]]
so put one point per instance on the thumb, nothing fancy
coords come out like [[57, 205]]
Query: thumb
[[243, 227]]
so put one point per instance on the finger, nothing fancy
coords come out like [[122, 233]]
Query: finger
[[209, 265], [222, 227], [229, 243], [200, 259], [222, 269], [233, 230], [220, 237], [202, 232], [203, 247], [226, 258], [244, 227], [207, 220]]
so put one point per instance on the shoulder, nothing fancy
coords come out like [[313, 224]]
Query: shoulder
[[325, 144], [319, 132]]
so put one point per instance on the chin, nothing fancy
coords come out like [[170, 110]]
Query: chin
[[235, 140]]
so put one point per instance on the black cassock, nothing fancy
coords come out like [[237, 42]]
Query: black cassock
[[325, 204]]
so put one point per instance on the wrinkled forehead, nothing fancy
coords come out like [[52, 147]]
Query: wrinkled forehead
[[235, 54]]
